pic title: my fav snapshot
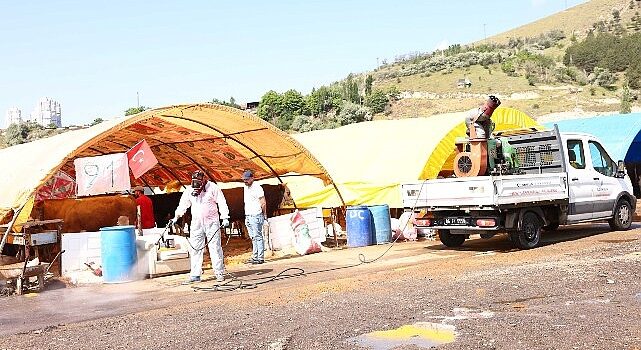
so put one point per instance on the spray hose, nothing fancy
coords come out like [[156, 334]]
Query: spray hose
[[252, 283], [208, 238]]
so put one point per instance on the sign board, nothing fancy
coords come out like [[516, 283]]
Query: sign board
[[102, 174]]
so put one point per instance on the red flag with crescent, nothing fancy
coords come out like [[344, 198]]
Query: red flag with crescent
[[141, 159]]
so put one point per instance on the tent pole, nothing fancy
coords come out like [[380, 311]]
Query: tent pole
[[13, 221], [339, 193], [342, 201]]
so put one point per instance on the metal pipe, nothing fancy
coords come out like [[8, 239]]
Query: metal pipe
[[13, 221]]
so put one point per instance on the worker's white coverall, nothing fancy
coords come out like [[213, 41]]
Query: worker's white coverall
[[206, 211]]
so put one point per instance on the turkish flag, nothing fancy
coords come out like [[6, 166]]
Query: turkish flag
[[141, 159]]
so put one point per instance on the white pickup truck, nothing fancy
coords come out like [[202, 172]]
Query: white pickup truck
[[566, 178]]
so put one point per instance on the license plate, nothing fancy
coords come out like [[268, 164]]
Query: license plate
[[456, 221]]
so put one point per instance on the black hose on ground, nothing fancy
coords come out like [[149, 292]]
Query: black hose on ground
[[253, 283]]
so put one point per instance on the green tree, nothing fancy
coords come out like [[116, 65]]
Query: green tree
[[350, 89], [323, 100], [135, 110], [368, 84], [626, 100], [313, 103], [293, 103], [633, 74], [270, 106], [96, 121], [377, 101]]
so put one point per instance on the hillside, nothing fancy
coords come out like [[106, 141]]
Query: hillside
[[432, 91], [577, 19]]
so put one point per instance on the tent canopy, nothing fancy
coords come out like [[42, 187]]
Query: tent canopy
[[218, 140], [620, 133], [369, 160]]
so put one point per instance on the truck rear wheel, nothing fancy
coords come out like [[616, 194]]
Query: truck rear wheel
[[450, 240], [622, 218], [529, 233]]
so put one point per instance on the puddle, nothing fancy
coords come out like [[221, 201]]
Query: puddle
[[421, 334]]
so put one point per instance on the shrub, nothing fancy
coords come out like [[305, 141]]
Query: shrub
[[302, 123], [393, 93], [353, 113], [284, 122], [508, 68], [602, 77], [626, 100]]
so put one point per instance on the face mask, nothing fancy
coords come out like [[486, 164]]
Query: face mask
[[197, 185]]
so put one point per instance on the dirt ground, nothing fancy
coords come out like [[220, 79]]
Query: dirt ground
[[580, 290]]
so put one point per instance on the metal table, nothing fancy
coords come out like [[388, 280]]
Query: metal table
[[36, 234]]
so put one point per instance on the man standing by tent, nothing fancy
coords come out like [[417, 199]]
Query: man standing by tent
[[208, 206], [146, 209], [255, 214]]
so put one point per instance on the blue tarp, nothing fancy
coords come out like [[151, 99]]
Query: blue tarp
[[620, 133]]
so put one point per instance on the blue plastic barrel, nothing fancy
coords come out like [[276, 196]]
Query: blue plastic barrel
[[359, 226], [118, 250], [382, 224]]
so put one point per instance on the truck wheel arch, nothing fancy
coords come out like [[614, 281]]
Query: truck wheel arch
[[513, 218], [632, 200]]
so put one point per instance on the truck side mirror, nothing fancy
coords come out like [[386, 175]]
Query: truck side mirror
[[620, 169]]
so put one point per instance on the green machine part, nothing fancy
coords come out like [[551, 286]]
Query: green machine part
[[491, 149], [509, 153]]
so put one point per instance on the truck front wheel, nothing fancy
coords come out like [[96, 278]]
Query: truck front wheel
[[449, 239], [529, 233], [622, 218]]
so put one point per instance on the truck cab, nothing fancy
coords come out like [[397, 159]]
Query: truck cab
[[596, 183]]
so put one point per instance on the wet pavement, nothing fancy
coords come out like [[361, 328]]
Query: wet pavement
[[581, 289]]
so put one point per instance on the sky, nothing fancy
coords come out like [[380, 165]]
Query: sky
[[97, 57]]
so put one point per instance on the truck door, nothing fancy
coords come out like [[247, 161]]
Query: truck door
[[581, 182], [607, 186]]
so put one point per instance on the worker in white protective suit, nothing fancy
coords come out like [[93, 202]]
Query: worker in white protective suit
[[208, 206]]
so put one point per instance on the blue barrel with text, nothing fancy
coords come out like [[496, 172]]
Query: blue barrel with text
[[359, 226], [382, 223], [118, 250]]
